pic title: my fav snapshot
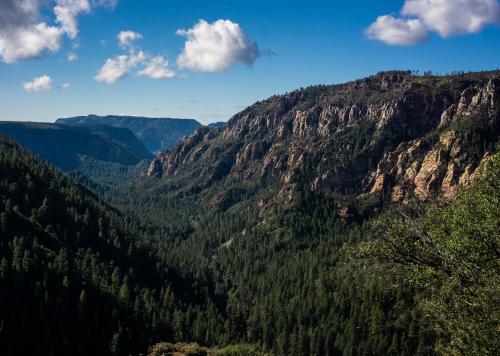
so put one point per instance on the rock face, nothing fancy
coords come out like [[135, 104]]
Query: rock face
[[423, 169], [392, 133]]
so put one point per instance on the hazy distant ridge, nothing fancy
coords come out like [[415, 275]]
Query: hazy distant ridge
[[157, 134], [66, 145]]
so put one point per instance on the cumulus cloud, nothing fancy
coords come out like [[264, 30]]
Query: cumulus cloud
[[42, 83], [214, 47], [445, 17], [157, 68], [393, 31], [126, 38], [64, 86], [454, 17], [23, 34], [66, 12], [28, 42], [118, 67]]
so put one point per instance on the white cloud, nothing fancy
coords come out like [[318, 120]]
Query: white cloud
[[23, 34], [28, 42], [72, 56], [42, 83], [399, 32], [157, 68], [445, 17], [454, 17], [125, 38], [118, 67], [214, 47], [64, 86], [66, 12]]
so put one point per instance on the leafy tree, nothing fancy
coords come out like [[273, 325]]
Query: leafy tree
[[451, 253]]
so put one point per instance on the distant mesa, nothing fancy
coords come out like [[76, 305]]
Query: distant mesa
[[217, 125], [68, 146], [156, 134]]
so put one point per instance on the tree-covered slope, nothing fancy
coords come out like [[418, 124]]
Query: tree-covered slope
[[76, 277], [157, 134], [68, 146]]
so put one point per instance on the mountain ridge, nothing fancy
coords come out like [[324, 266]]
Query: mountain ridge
[[157, 134], [393, 134], [68, 146]]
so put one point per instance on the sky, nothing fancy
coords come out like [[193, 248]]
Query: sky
[[208, 60]]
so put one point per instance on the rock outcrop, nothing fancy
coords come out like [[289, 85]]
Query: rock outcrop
[[392, 133], [423, 169]]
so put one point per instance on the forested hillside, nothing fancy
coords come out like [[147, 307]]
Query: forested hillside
[[73, 147], [76, 277]]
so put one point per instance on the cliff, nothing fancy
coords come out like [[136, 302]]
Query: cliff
[[392, 134]]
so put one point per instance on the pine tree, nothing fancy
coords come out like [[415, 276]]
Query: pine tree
[[124, 294], [26, 261], [4, 268], [83, 300]]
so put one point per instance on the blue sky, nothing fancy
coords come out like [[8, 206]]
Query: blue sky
[[300, 43]]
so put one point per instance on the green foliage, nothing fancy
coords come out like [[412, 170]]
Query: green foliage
[[92, 171], [193, 349], [450, 252]]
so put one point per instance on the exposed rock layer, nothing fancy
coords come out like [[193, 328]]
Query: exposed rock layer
[[393, 133]]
